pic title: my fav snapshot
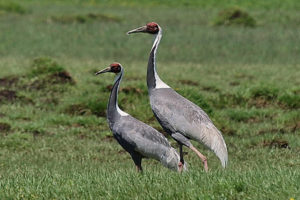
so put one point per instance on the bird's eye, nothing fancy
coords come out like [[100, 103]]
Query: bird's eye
[[116, 69], [152, 28]]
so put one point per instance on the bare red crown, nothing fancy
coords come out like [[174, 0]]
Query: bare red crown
[[152, 27], [115, 67]]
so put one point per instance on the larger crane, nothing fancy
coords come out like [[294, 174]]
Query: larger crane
[[181, 118], [137, 138]]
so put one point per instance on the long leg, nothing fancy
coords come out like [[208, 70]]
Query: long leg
[[186, 142], [137, 159], [201, 156], [181, 163]]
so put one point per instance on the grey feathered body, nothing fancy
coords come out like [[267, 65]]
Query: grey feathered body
[[181, 118], [177, 114], [137, 137]]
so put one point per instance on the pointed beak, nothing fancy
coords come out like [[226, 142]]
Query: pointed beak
[[103, 71], [138, 30]]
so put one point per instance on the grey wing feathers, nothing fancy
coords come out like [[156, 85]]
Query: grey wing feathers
[[147, 141], [131, 126], [149, 133], [178, 114]]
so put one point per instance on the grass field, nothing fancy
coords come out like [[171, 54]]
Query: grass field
[[54, 139]]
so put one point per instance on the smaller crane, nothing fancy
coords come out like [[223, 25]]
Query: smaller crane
[[137, 138]]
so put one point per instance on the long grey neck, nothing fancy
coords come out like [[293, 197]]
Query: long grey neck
[[113, 110], [153, 80]]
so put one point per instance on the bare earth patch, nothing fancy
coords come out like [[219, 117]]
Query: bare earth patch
[[9, 81], [8, 95], [78, 109], [234, 16], [272, 130], [61, 78], [127, 90], [276, 143], [4, 127], [85, 18], [188, 82]]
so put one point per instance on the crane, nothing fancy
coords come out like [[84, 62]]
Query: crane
[[178, 116], [137, 138]]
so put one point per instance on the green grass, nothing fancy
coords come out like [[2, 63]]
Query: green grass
[[54, 139], [10, 7]]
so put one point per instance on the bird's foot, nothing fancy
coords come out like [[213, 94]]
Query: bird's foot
[[205, 164], [180, 167], [139, 169]]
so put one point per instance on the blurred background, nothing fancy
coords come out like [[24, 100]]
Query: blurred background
[[238, 60]]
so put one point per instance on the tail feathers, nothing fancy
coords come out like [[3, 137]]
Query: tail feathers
[[220, 149], [223, 156], [213, 139]]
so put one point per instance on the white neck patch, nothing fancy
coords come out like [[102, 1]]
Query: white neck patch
[[158, 82], [121, 112]]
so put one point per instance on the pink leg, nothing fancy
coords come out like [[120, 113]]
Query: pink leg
[[201, 156], [180, 167], [181, 163]]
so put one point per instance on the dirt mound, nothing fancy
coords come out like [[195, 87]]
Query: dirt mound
[[10, 7], [126, 90], [261, 96], [226, 130], [271, 130], [108, 138], [188, 82], [61, 78], [77, 109], [293, 126], [296, 127], [276, 143], [260, 102], [45, 65], [46, 72], [210, 89], [9, 81], [4, 127], [11, 97], [45, 80], [8, 95], [234, 16], [131, 90], [81, 19], [291, 101], [234, 83]]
